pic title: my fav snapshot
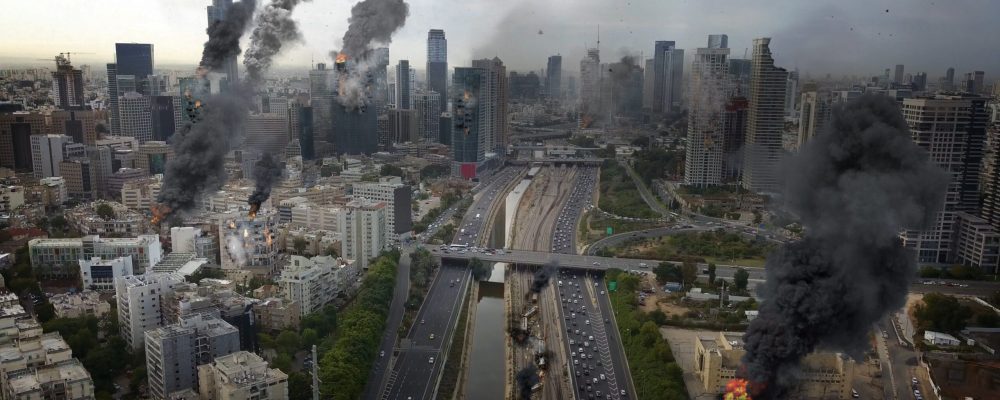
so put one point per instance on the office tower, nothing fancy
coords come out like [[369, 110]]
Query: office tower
[[947, 82], [363, 230], [739, 71], [135, 116], [976, 86], [306, 138], [955, 142], [897, 78], [174, 352], [590, 83], [817, 108], [444, 129], [165, 118], [101, 164], [322, 100], [241, 375], [718, 41], [248, 244], [708, 93], [397, 197], [524, 86], [468, 139], [55, 258], [266, 134], [16, 130], [354, 131], [647, 84], [404, 86], [46, 154], [623, 88], [791, 93], [734, 125], [428, 106], [668, 71], [437, 65], [153, 156], [135, 59], [494, 103], [216, 13], [553, 77], [67, 85], [81, 184], [919, 82], [765, 121], [81, 125], [403, 126]]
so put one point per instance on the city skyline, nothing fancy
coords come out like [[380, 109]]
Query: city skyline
[[894, 32]]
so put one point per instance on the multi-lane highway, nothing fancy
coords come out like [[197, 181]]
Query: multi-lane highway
[[581, 198], [471, 231]]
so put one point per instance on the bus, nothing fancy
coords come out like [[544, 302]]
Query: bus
[[456, 246]]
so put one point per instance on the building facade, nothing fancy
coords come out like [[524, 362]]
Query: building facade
[[241, 376], [140, 304], [437, 66], [708, 95], [397, 197], [59, 258], [363, 230], [174, 352], [765, 121]]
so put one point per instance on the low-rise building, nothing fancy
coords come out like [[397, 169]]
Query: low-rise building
[[52, 191], [59, 258], [941, 339], [82, 304], [62, 380], [36, 365], [977, 243], [140, 194], [247, 244], [122, 223], [315, 282], [277, 314], [241, 376], [11, 197], [99, 274], [189, 239]]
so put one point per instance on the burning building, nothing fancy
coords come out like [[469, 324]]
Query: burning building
[[247, 246]]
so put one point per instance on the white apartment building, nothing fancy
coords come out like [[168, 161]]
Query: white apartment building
[[11, 197], [241, 376], [54, 258], [315, 282], [141, 194], [363, 230], [707, 95], [397, 197], [100, 274], [139, 304], [47, 153], [315, 217], [36, 365], [54, 190], [76, 305], [187, 239]]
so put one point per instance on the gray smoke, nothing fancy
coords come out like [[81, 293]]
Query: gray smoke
[[855, 187], [224, 36], [542, 276], [371, 21], [626, 85], [526, 379], [266, 172], [275, 26]]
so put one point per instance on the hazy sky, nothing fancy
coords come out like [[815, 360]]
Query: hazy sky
[[819, 36]]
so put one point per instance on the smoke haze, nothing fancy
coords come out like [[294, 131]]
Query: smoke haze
[[275, 27], [224, 35], [854, 187], [266, 172], [371, 21]]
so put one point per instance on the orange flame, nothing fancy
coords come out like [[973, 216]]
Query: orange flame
[[341, 58], [160, 211], [736, 389], [254, 207]]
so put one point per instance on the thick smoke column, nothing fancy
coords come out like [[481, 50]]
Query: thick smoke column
[[855, 187], [542, 278], [224, 36], [265, 172], [370, 21], [526, 378], [274, 27]]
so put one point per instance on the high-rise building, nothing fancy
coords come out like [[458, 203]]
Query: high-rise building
[[241, 376], [468, 139], [135, 59], [739, 70], [153, 156], [140, 304], [668, 72], [174, 352], [897, 78], [817, 107], [791, 93], [135, 116], [403, 126], [354, 131], [734, 135], [708, 94], [590, 83], [720, 41], [397, 197], [765, 121], [404, 86], [524, 86], [991, 169], [81, 125], [305, 133], [494, 103], [217, 13], [954, 140], [363, 230], [266, 134], [46, 154], [428, 106], [16, 130], [437, 65], [322, 101], [67, 85], [165, 118], [553, 77], [81, 179]]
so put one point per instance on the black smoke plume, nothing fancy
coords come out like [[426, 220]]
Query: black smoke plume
[[275, 26], [855, 187], [371, 21], [224, 36], [526, 379], [541, 279], [266, 172], [626, 85]]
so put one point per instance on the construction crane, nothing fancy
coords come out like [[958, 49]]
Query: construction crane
[[64, 57]]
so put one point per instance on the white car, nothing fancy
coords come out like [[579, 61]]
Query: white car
[[430, 360]]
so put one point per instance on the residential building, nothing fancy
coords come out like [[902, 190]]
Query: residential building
[[82, 304], [16, 130], [59, 258], [437, 66], [123, 222], [187, 239], [363, 230], [553, 77], [11, 197], [428, 106], [277, 314], [58, 380], [247, 245], [668, 72], [174, 352], [398, 199], [765, 121], [976, 243], [315, 217], [140, 194], [99, 274], [792, 94], [53, 191], [67, 85], [816, 111], [241, 376], [708, 94], [820, 375], [140, 304], [312, 283], [468, 137]]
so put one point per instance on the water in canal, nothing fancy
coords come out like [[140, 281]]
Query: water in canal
[[486, 361]]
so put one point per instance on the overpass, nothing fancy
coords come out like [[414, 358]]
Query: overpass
[[557, 161]]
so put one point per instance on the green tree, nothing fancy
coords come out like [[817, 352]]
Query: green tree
[[299, 244], [288, 342], [741, 279], [105, 211], [299, 386], [942, 313], [479, 269], [58, 223], [331, 251], [266, 341], [690, 272], [391, 170], [327, 171], [667, 272], [711, 273], [309, 338], [283, 362]]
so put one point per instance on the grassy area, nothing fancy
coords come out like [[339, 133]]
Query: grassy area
[[452, 371], [422, 268], [717, 246], [658, 163], [654, 371], [593, 227], [345, 366], [619, 194]]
